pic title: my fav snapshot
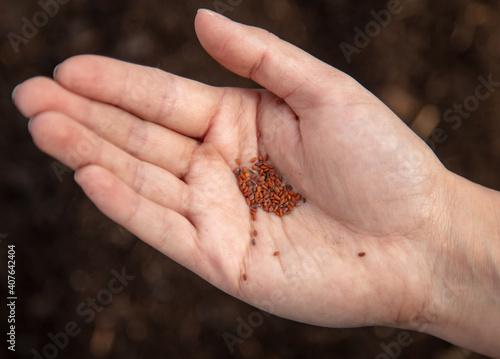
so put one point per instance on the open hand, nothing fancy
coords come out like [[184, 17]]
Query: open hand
[[156, 153]]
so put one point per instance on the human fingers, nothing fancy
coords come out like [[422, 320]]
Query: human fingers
[[76, 146], [164, 229], [177, 103], [146, 141], [303, 81]]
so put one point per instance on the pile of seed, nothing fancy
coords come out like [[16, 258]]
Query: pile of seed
[[264, 187]]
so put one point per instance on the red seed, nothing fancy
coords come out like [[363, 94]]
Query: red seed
[[361, 254], [238, 161], [244, 276], [255, 233], [262, 186], [277, 253]]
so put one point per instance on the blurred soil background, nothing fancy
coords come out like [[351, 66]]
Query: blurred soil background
[[427, 59]]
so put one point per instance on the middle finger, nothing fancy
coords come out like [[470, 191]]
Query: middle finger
[[144, 140]]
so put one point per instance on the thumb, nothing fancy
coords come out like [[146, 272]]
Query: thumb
[[287, 71]]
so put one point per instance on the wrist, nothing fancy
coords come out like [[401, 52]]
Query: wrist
[[465, 303]]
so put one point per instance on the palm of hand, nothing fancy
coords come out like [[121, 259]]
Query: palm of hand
[[367, 191], [367, 178]]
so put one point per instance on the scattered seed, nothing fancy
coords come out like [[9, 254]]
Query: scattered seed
[[253, 241], [238, 161], [277, 253], [244, 276], [361, 254], [253, 159], [255, 233]]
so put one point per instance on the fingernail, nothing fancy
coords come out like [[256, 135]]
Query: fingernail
[[14, 94], [55, 71], [212, 13], [76, 177], [29, 123]]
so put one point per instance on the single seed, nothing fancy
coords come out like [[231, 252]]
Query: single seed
[[255, 233], [238, 161], [277, 253], [361, 254], [253, 241], [266, 158], [244, 276], [253, 159]]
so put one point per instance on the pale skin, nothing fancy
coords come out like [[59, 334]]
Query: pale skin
[[155, 152]]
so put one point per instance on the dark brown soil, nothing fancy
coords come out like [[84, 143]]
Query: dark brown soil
[[428, 58]]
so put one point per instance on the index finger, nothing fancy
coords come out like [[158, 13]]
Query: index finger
[[183, 105]]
